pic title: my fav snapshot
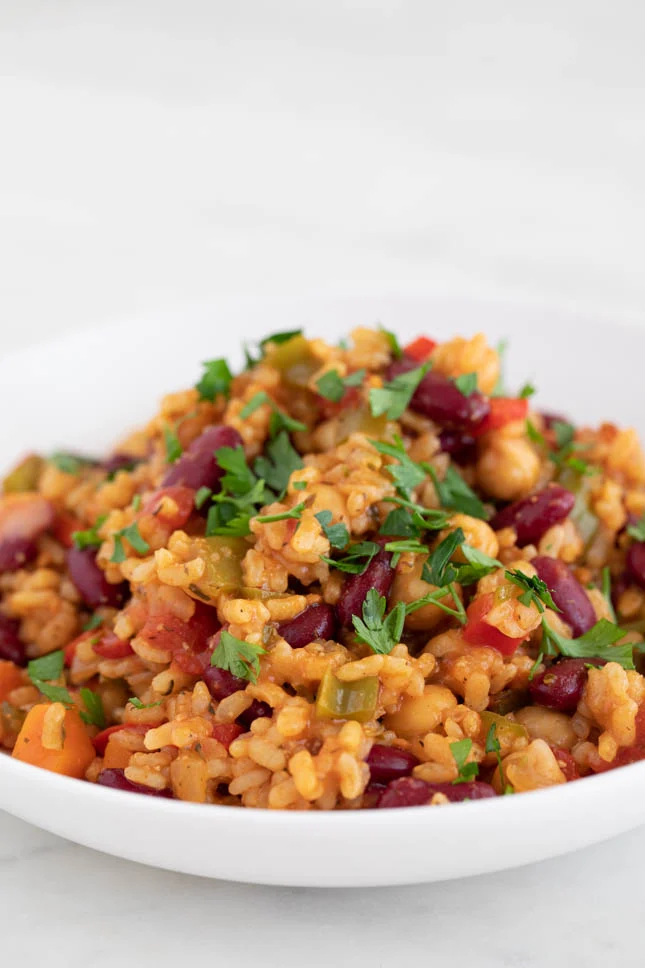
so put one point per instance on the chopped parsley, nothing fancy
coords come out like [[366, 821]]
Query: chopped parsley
[[460, 752], [564, 456], [499, 390], [70, 463], [407, 546], [406, 474], [332, 386], [240, 498], [435, 598], [201, 496], [295, 512], [138, 704], [600, 642], [454, 493], [337, 534], [238, 657], [95, 714], [395, 348], [45, 669], [441, 571], [94, 622], [637, 531], [466, 383], [89, 538], [534, 590], [173, 447], [136, 502], [410, 520], [133, 536], [528, 390], [534, 434], [357, 558], [278, 420], [393, 398], [299, 485], [216, 379], [279, 338], [606, 590], [281, 461], [374, 629]]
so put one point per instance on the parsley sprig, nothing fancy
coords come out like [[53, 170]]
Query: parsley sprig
[[357, 558], [90, 537], [600, 642], [133, 537], [333, 386], [393, 398], [238, 657], [460, 752], [374, 629], [534, 590], [454, 493], [216, 379], [44, 671], [337, 534], [278, 421]]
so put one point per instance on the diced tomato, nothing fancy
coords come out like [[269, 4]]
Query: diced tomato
[[188, 641], [101, 739], [64, 527], [183, 497], [566, 763], [503, 410], [110, 646], [70, 649], [478, 632], [225, 733], [420, 349]]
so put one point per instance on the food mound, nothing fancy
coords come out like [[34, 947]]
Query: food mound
[[352, 576]]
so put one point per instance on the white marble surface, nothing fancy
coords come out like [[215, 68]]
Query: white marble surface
[[157, 153]]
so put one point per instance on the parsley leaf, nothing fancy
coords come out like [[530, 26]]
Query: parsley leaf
[[637, 531], [534, 434], [407, 546], [381, 634], [461, 751], [173, 447], [43, 670], [94, 622], [438, 569], [436, 598], [395, 348], [564, 433], [499, 389], [477, 565], [466, 383], [279, 338], [132, 535], [254, 403], [528, 390], [238, 657], [136, 502], [70, 463], [279, 465], [598, 643], [216, 379], [201, 496], [143, 705], [278, 420], [90, 537], [95, 715], [337, 534], [453, 492], [357, 558], [300, 485], [231, 515], [606, 590], [535, 591], [409, 519], [393, 398], [332, 386], [406, 474], [47, 666], [283, 515]]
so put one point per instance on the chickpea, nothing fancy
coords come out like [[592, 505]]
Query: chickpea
[[409, 586], [418, 715], [508, 469], [553, 727], [478, 535]]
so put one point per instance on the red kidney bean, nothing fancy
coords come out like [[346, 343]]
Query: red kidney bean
[[635, 562], [317, 621], [198, 467], [116, 780], [439, 398], [533, 516], [90, 580], [11, 647], [461, 447], [222, 683], [388, 763], [560, 686], [567, 593], [411, 792], [120, 462], [379, 574], [257, 710], [16, 553]]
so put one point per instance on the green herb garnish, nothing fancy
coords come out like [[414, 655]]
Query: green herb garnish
[[279, 338], [94, 622], [600, 642], [332, 386], [535, 591], [395, 347], [453, 492], [637, 531], [89, 538], [45, 669], [295, 512], [201, 496], [70, 463], [357, 558], [337, 534], [279, 464], [393, 398], [606, 590], [216, 379], [528, 390], [240, 658], [173, 447], [143, 705], [461, 751], [133, 536], [407, 475], [466, 383], [375, 630], [95, 715]]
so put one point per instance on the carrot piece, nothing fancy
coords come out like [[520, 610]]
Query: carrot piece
[[10, 678], [77, 751]]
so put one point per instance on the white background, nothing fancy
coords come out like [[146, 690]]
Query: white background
[[159, 153]]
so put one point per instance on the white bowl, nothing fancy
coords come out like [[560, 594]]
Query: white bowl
[[86, 389]]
